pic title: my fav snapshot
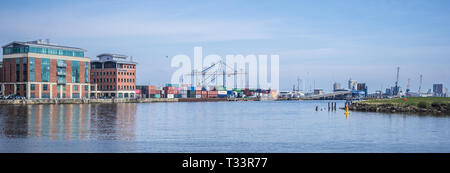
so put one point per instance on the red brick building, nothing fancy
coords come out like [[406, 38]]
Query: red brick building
[[113, 75], [39, 69]]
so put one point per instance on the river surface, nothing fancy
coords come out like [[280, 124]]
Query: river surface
[[272, 126]]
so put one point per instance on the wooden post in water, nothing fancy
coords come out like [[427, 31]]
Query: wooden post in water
[[328, 106]]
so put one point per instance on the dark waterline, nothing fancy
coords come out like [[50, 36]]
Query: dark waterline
[[284, 126]]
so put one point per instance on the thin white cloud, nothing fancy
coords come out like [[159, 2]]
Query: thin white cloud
[[128, 25]]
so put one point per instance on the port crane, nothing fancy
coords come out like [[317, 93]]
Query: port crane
[[420, 84], [396, 91], [211, 73]]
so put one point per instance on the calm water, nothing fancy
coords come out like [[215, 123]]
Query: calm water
[[216, 127]]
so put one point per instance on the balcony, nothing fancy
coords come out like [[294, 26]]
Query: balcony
[[61, 81], [61, 65], [61, 73]]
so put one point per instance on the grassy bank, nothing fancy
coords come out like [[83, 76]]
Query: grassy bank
[[435, 105], [422, 102]]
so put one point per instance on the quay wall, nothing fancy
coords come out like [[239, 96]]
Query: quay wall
[[99, 101], [84, 101]]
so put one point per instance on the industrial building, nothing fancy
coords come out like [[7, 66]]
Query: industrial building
[[337, 87], [352, 85], [113, 76], [40, 69], [439, 90]]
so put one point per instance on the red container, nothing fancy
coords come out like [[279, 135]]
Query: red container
[[212, 92], [155, 91], [204, 96], [168, 88], [198, 92], [204, 92]]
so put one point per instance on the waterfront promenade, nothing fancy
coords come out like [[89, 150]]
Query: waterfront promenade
[[136, 100]]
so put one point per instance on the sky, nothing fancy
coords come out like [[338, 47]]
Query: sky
[[321, 42]]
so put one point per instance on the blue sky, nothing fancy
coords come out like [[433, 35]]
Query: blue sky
[[322, 41]]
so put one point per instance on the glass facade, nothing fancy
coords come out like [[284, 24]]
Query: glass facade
[[17, 69], [45, 70], [25, 71], [75, 71], [86, 72], [61, 71], [48, 51], [31, 69]]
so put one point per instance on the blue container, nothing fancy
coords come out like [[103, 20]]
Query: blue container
[[222, 96]]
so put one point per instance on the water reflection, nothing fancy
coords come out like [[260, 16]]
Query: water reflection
[[69, 122]]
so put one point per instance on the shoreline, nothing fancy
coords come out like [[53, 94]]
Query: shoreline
[[99, 101], [417, 105]]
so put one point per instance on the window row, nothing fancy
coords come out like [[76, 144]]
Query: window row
[[112, 73], [112, 80], [112, 87]]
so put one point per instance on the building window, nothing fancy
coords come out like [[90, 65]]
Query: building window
[[86, 71], [45, 70], [24, 69], [32, 87], [75, 71], [75, 87], [17, 69], [86, 87], [31, 69], [45, 87]]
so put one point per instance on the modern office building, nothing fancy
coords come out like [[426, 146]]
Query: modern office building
[[39, 69], [113, 75]]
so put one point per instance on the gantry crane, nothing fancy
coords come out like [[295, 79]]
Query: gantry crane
[[210, 73]]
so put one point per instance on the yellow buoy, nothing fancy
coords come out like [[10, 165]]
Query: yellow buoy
[[346, 111]]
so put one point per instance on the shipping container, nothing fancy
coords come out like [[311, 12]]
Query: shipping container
[[221, 88], [198, 96], [222, 92], [155, 95], [170, 96], [222, 96], [213, 92]]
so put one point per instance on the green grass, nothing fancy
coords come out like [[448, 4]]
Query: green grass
[[412, 101]]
